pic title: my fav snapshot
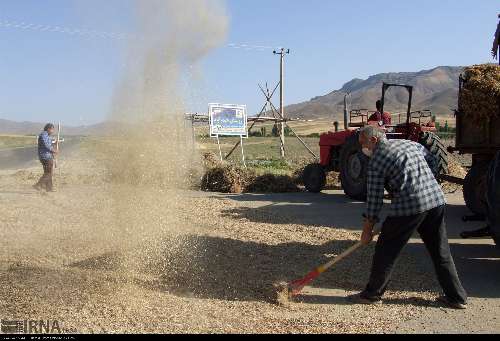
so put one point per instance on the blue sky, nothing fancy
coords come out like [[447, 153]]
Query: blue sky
[[50, 76]]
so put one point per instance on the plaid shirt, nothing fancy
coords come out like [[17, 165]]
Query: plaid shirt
[[409, 171]]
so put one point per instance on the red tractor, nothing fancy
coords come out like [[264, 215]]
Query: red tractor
[[341, 151]]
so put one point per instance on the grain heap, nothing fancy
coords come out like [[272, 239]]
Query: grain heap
[[480, 98], [456, 170]]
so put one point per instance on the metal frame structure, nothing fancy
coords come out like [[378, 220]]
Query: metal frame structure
[[278, 116], [409, 88]]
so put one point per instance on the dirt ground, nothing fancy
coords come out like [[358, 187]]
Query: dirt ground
[[192, 262]]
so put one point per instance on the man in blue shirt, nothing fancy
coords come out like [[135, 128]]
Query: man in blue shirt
[[46, 154]]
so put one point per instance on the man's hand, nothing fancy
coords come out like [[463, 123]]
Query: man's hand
[[367, 236]]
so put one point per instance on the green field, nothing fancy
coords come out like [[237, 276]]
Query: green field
[[16, 141], [263, 153]]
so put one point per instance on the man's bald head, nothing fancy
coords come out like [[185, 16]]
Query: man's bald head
[[371, 131], [369, 137]]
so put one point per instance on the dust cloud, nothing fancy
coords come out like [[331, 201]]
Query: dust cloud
[[150, 161]]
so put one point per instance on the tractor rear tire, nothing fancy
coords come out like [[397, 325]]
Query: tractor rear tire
[[475, 188], [314, 177], [433, 144], [354, 169]]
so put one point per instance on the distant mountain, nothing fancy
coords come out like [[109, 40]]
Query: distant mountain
[[33, 128], [435, 89], [19, 128]]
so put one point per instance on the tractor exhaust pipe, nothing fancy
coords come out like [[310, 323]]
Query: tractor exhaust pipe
[[346, 113]]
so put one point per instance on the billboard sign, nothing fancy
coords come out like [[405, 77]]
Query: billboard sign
[[228, 120]]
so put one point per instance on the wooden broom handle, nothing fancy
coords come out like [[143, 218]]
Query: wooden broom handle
[[348, 252]]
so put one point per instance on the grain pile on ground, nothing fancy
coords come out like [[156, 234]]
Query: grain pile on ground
[[464, 160], [75, 172], [457, 170], [208, 268], [480, 99], [333, 181], [283, 294], [27, 176]]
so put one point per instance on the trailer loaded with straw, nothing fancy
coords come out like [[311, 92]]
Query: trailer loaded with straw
[[478, 134]]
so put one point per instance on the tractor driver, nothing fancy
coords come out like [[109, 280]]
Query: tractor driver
[[382, 119]]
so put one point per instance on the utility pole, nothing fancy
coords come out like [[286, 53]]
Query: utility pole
[[282, 54]]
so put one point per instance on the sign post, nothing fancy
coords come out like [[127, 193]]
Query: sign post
[[220, 150], [243, 152], [228, 120]]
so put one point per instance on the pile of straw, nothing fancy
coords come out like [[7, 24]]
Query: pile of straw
[[223, 177], [270, 183], [480, 98]]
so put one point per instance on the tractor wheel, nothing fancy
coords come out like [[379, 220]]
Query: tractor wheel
[[475, 188], [353, 169], [314, 177], [494, 199], [434, 145]]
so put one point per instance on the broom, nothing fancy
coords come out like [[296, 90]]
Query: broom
[[295, 287]]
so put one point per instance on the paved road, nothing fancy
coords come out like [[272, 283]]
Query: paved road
[[478, 261], [23, 157]]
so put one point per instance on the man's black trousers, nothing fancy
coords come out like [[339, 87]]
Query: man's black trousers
[[396, 232]]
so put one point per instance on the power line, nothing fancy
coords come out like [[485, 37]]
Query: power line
[[106, 35], [64, 30], [251, 47]]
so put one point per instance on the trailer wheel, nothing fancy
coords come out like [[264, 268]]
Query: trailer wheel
[[493, 199], [434, 145], [353, 169], [475, 188], [314, 177]]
